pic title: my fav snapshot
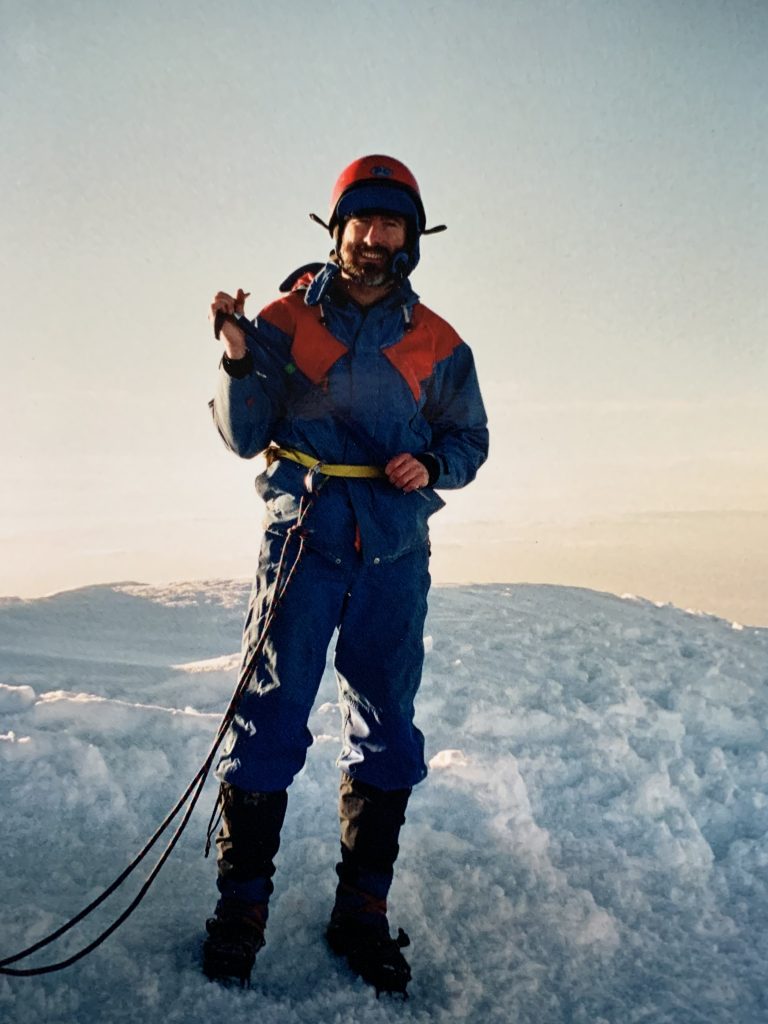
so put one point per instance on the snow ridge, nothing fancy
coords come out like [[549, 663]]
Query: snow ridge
[[589, 846]]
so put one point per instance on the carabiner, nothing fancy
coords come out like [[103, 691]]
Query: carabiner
[[311, 482]]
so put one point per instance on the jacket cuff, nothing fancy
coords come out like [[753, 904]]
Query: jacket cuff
[[432, 466], [238, 368]]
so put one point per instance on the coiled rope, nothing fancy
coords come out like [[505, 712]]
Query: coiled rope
[[191, 794]]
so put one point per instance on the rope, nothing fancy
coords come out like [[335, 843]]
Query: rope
[[190, 795]]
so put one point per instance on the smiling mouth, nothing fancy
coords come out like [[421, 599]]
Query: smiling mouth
[[372, 254], [369, 265]]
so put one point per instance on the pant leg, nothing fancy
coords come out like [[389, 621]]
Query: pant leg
[[268, 741], [379, 659]]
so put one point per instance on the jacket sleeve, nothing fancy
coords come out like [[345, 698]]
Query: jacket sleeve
[[455, 411], [246, 410]]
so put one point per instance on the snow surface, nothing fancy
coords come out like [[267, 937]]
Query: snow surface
[[589, 846]]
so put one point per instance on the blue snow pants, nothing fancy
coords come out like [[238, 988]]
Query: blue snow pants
[[379, 611]]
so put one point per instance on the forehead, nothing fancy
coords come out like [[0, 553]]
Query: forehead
[[384, 215]]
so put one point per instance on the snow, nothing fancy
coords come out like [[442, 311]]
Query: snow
[[588, 848]]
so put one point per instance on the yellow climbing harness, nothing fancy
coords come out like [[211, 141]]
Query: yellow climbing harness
[[318, 466]]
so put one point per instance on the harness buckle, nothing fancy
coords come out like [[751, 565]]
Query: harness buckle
[[315, 478]]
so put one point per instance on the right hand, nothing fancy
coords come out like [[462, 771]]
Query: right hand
[[234, 337]]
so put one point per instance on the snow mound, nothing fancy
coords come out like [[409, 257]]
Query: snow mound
[[15, 698], [590, 845]]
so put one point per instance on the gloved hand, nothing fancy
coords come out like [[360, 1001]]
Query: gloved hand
[[224, 313]]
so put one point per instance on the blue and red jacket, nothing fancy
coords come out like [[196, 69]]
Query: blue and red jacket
[[348, 384]]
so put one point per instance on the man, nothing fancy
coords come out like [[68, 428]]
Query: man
[[365, 401]]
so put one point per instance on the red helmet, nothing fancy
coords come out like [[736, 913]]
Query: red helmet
[[377, 182]]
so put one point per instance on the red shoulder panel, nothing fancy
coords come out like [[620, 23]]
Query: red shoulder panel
[[430, 340], [281, 315], [314, 349]]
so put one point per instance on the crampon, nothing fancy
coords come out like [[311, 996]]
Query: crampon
[[372, 954], [230, 949]]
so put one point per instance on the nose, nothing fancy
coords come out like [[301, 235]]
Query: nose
[[375, 234]]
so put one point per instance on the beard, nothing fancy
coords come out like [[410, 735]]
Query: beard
[[372, 270]]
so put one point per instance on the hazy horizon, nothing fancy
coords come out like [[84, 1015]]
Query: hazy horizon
[[601, 169]]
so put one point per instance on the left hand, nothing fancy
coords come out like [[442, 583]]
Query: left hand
[[406, 473]]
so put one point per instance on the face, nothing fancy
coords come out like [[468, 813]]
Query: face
[[368, 244]]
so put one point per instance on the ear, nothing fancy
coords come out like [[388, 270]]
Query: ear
[[338, 234]]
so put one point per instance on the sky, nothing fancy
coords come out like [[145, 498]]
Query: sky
[[600, 166]]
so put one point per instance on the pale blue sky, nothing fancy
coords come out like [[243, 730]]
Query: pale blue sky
[[601, 167]]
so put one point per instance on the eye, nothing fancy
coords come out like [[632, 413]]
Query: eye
[[394, 223]]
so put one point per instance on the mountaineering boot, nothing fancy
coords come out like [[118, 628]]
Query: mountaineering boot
[[359, 930], [370, 950], [235, 935], [245, 851]]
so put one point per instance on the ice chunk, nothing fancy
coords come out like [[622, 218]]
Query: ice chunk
[[448, 759]]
